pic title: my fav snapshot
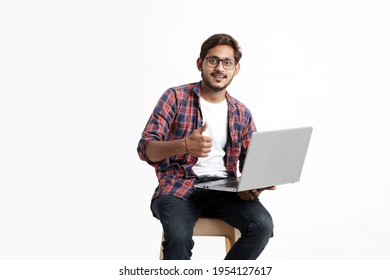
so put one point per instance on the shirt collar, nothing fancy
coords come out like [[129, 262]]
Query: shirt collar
[[229, 99]]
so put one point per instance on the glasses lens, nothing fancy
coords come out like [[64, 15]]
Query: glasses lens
[[228, 64], [214, 61]]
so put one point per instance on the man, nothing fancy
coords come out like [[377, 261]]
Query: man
[[198, 132]]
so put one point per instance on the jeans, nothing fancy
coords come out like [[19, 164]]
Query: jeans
[[178, 218]]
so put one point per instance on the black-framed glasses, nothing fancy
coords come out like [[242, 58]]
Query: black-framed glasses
[[213, 61]]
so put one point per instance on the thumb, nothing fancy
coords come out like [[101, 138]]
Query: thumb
[[203, 128]]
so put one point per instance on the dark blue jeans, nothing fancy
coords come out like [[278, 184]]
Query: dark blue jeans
[[178, 218]]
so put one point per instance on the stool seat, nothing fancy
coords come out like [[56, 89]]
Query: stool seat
[[213, 227]]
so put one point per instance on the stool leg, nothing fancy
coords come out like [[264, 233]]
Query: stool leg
[[202, 228], [228, 244], [161, 247]]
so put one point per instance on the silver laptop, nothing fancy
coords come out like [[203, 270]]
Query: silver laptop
[[273, 158]]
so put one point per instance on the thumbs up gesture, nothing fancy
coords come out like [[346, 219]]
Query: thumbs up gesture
[[199, 145]]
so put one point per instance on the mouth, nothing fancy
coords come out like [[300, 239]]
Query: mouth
[[218, 75]]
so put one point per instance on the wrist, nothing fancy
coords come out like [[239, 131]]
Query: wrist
[[185, 145]]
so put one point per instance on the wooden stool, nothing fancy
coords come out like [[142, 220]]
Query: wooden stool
[[213, 227]]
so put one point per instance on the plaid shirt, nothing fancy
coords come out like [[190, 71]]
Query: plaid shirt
[[175, 116]]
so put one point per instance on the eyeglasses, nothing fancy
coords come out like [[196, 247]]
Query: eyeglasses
[[226, 63]]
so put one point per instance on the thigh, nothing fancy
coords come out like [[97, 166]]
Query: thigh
[[175, 214], [239, 213]]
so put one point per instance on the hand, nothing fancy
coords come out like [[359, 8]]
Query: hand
[[253, 194], [199, 145]]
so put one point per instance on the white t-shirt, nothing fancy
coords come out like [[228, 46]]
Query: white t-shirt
[[216, 116]]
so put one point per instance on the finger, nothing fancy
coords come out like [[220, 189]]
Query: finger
[[246, 195], [206, 144], [203, 128], [200, 138], [254, 194], [242, 195], [204, 154], [206, 150], [207, 139], [197, 137]]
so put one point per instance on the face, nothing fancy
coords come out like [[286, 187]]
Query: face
[[217, 78]]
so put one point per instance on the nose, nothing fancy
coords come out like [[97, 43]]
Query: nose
[[219, 66]]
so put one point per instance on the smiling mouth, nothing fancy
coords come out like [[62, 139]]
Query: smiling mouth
[[218, 76]]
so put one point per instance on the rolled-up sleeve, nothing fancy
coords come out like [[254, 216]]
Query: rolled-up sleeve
[[141, 149]]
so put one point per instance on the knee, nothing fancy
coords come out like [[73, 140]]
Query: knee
[[262, 227]]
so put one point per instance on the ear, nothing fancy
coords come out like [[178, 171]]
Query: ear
[[199, 63], [237, 69]]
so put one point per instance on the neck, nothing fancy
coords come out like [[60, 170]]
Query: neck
[[211, 95]]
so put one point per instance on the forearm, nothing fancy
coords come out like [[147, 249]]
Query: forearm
[[159, 150]]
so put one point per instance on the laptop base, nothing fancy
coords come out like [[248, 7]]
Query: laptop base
[[227, 184]]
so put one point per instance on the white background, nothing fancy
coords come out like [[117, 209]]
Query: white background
[[79, 79]]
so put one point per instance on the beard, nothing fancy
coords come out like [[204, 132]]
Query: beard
[[216, 86]]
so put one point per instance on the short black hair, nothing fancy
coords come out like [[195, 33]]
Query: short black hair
[[221, 39]]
